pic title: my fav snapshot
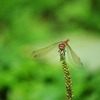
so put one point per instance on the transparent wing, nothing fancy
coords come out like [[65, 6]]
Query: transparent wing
[[73, 57], [43, 51]]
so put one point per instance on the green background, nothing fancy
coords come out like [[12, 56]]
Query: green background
[[27, 25]]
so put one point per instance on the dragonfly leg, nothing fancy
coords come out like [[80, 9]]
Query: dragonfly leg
[[62, 52]]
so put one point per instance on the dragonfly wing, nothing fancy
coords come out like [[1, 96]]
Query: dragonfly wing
[[73, 57], [43, 51]]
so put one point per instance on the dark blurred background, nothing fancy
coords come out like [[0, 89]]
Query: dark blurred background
[[26, 25]]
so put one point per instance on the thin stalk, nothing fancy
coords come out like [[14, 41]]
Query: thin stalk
[[67, 77]]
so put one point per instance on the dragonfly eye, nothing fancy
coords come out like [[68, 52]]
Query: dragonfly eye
[[61, 46]]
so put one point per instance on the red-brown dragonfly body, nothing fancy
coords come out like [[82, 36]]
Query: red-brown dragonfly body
[[63, 44]]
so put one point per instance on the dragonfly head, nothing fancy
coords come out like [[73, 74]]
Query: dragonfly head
[[63, 44]]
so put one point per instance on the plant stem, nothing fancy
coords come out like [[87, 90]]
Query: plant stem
[[68, 81]]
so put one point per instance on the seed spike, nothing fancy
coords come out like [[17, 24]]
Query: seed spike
[[67, 77]]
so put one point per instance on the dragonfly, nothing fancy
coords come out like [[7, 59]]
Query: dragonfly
[[62, 46]]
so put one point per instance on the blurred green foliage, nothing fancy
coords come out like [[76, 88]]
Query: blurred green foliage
[[26, 23]]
